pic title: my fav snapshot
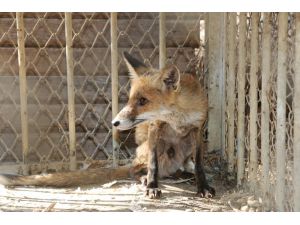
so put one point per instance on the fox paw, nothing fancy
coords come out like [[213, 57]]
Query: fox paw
[[207, 192], [153, 193]]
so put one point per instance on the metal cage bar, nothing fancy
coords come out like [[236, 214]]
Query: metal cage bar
[[23, 89], [297, 119], [231, 88], [241, 99], [265, 108], [162, 40], [114, 84], [223, 84], [253, 101], [71, 90], [281, 110]]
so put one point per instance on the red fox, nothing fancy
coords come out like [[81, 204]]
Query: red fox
[[168, 110]]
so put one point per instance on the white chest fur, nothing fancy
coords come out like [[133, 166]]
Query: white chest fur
[[178, 120], [181, 122]]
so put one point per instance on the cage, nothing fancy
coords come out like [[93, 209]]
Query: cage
[[63, 79]]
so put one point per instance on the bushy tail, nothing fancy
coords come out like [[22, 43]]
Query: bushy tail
[[68, 179]]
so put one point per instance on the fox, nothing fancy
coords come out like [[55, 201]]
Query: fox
[[168, 110]]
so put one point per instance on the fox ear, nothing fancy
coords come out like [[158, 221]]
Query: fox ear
[[171, 77], [134, 66]]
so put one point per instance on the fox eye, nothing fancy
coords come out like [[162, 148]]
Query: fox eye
[[142, 101]]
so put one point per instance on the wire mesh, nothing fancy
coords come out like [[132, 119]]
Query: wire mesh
[[91, 42], [10, 124], [46, 70], [47, 93]]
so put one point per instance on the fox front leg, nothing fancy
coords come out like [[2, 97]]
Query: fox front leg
[[203, 189], [152, 176]]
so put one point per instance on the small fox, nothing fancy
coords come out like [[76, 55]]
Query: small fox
[[168, 110]]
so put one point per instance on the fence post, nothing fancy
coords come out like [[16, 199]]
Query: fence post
[[281, 110], [215, 45], [297, 118], [241, 99], [23, 90], [114, 84], [71, 89], [162, 40], [265, 109], [253, 101], [230, 88]]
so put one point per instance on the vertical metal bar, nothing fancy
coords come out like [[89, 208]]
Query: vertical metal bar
[[265, 116], [223, 83], [281, 110], [215, 79], [253, 101], [230, 88], [297, 118], [114, 85], [23, 89], [206, 42], [71, 89], [241, 99], [162, 40]]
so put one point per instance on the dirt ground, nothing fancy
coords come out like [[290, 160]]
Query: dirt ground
[[178, 194], [125, 196]]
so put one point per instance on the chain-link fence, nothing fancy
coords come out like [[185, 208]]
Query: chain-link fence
[[47, 99], [261, 100], [10, 121]]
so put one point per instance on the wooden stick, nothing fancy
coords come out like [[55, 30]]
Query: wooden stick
[[253, 101], [241, 100], [230, 89], [281, 110], [297, 119], [265, 116], [162, 40], [223, 84], [114, 85], [23, 89], [71, 89]]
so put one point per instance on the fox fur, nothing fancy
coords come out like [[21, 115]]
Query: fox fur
[[67, 179]]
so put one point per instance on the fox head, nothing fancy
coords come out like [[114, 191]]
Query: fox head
[[152, 93]]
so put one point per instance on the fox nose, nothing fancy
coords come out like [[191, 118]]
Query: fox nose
[[116, 123]]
